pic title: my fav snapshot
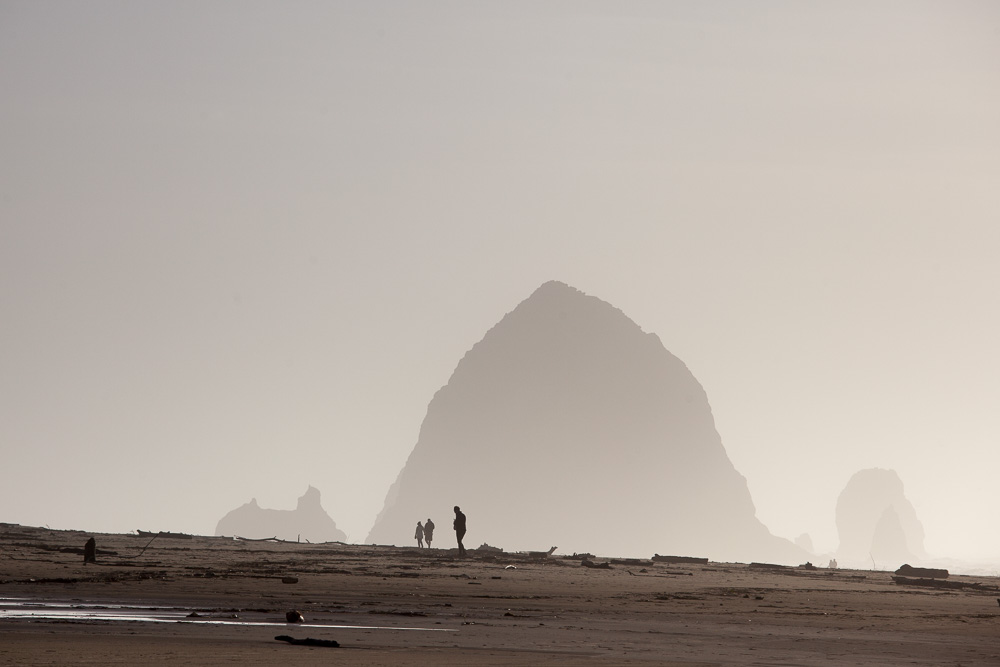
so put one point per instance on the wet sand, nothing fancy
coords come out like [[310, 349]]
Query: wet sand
[[409, 606]]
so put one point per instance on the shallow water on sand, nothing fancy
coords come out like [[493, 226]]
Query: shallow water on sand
[[29, 610]]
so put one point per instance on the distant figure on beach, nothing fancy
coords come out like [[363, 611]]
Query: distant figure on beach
[[419, 534], [429, 532], [90, 551], [460, 529]]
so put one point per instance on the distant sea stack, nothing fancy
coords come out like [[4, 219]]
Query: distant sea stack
[[568, 426], [308, 522], [875, 521]]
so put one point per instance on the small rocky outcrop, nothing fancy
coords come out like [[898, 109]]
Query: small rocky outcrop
[[877, 522], [308, 522]]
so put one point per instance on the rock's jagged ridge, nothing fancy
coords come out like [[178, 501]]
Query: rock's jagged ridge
[[568, 425], [308, 521]]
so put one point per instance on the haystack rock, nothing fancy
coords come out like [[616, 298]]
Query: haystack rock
[[308, 522], [876, 521], [568, 425]]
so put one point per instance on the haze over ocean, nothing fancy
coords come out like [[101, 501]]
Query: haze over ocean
[[243, 243]]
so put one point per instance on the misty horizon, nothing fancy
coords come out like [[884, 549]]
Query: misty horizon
[[244, 245]]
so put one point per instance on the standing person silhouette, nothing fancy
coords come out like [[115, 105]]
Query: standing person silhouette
[[429, 532], [90, 551], [460, 529], [419, 534]]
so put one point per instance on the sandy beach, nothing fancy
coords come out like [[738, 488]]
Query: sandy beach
[[209, 600]]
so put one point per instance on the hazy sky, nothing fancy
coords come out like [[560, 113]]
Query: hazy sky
[[242, 243]]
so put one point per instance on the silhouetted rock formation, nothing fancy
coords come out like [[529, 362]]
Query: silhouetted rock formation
[[567, 424], [876, 521], [307, 520]]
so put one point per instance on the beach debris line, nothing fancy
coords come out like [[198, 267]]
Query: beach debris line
[[940, 583], [908, 575], [259, 539], [657, 558], [769, 566], [628, 561], [309, 641], [542, 554], [167, 534], [907, 570]]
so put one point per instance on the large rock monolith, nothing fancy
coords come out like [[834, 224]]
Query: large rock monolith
[[568, 425]]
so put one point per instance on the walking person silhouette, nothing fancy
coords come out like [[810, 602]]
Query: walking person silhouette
[[460, 529], [429, 532]]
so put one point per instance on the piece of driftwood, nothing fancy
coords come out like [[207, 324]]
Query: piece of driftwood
[[309, 641], [940, 583], [907, 570], [597, 566], [657, 558], [166, 534], [541, 554], [259, 539]]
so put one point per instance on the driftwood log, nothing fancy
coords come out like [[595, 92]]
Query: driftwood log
[[542, 554], [308, 641], [907, 570], [941, 583], [657, 558]]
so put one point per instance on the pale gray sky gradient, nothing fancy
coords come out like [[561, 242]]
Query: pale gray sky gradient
[[243, 243]]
